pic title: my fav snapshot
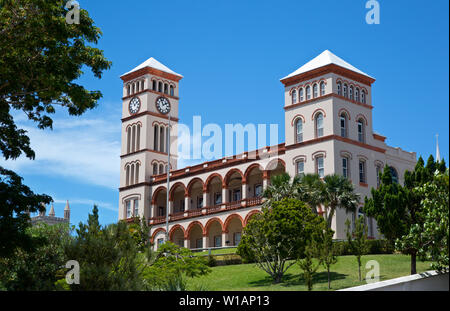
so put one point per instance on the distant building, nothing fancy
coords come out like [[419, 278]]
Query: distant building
[[51, 219]]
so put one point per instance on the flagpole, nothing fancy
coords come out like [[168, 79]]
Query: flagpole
[[168, 182]]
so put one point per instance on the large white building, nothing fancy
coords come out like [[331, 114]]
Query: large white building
[[328, 129]]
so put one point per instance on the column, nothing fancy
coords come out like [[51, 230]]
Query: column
[[186, 202], [205, 195], [265, 179], [152, 210], [170, 207], [224, 238], [186, 243], [224, 195], [204, 241]]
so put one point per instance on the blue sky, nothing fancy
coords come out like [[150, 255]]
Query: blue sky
[[232, 55]]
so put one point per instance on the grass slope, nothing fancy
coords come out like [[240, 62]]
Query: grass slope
[[344, 274]]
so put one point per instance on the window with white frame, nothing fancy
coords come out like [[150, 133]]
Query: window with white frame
[[378, 172], [357, 94], [308, 92], [361, 130], [301, 94], [128, 208], [300, 168], [350, 92], [363, 97], [315, 90], [394, 174], [136, 208], [345, 171], [320, 166], [339, 88], [319, 125], [322, 88], [154, 85], [345, 90], [343, 125], [362, 171], [294, 96], [299, 130], [171, 90]]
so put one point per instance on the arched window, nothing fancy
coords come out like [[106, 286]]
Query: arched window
[[300, 168], [137, 174], [394, 174], [294, 96], [299, 130], [166, 88], [378, 172], [345, 166], [161, 169], [350, 92], [132, 174], [361, 130], [160, 87], [319, 125], [308, 92], [363, 96], [127, 176], [138, 137], [161, 139], [315, 90], [128, 89], [155, 169], [345, 90], [320, 170], [339, 88], [129, 139], [133, 138], [322, 88], [343, 125], [362, 171], [155, 138], [171, 90], [301, 94], [357, 94], [154, 85]]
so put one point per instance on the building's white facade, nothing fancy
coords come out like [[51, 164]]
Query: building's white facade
[[328, 129]]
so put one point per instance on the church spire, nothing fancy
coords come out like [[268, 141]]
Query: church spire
[[438, 154], [52, 212], [67, 211]]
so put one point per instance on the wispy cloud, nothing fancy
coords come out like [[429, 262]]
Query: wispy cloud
[[86, 149]]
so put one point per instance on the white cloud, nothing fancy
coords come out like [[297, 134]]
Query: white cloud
[[81, 148]]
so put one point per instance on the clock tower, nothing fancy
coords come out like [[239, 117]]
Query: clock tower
[[150, 98]]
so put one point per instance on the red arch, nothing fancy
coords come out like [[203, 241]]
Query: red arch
[[360, 116], [175, 186], [159, 189], [156, 232], [172, 230], [210, 178], [229, 218], [192, 182], [316, 111], [249, 215], [191, 225], [251, 167], [296, 117], [346, 112], [209, 223], [230, 172], [278, 160]]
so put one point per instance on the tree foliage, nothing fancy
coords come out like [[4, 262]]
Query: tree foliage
[[357, 240], [278, 234]]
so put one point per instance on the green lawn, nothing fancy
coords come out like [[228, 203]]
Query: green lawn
[[231, 250], [247, 277]]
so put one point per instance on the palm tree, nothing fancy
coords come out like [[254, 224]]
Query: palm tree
[[310, 190], [281, 187], [338, 192]]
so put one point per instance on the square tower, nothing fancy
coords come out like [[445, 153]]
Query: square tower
[[149, 103]]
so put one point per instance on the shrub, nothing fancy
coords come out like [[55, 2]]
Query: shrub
[[342, 248]]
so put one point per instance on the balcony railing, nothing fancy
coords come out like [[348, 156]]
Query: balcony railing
[[250, 202]]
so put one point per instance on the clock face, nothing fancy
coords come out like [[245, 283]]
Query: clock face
[[163, 105], [134, 105]]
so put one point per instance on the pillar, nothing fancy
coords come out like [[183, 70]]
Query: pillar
[[224, 195], [186, 243], [205, 194], [204, 241], [224, 238]]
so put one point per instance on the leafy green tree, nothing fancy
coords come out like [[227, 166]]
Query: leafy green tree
[[16, 202], [40, 267], [170, 265], [357, 240], [140, 231], [398, 208], [326, 252], [281, 186], [338, 192], [307, 264], [431, 238], [278, 234], [109, 257], [310, 189], [41, 59]]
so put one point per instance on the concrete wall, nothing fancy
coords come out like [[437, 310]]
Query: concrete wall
[[427, 281]]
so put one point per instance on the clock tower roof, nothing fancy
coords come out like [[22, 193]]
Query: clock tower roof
[[153, 63]]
